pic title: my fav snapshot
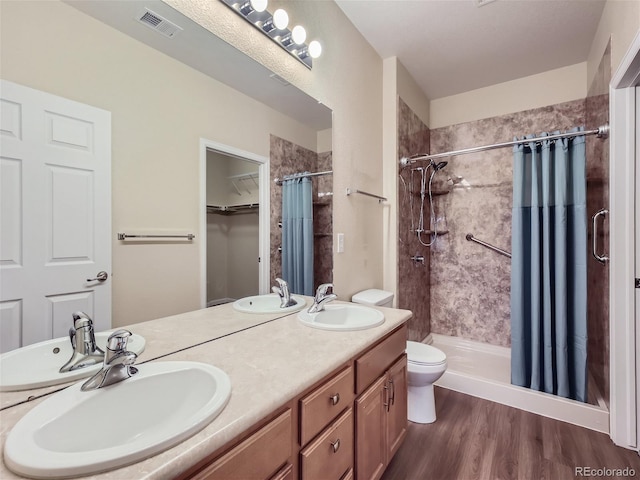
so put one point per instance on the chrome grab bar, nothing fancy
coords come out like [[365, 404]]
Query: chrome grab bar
[[471, 238], [594, 219], [351, 191], [124, 236]]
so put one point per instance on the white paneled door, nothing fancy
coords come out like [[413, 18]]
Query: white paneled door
[[55, 215]]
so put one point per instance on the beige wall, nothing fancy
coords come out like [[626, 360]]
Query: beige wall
[[397, 83], [547, 88], [160, 110], [620, 21], [348, 79]]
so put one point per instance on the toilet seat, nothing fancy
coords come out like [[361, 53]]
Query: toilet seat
[[422, 354]]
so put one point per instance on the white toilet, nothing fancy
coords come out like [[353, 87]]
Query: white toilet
[[425, 364]]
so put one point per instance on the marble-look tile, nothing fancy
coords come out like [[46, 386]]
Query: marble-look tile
[[470, 285], [597, 113], [287, 158], [414, 289]]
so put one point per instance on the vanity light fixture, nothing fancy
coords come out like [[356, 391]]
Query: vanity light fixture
[[275, 27]]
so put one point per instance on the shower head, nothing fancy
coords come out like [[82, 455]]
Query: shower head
[[439, 166]]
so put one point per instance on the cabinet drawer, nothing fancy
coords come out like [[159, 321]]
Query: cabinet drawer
[[323, 404], [374, 363], [330, 455], [256, 458]]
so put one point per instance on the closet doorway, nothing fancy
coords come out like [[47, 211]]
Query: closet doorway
[[235, 225]]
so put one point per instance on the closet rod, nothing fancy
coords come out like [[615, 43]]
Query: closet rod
[[124, 236], [600, 132], [279, 181]]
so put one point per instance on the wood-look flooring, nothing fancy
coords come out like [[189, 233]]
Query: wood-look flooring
[[478, 439]]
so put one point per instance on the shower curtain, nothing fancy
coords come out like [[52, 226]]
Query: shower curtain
[[297, 235], [549, 268]]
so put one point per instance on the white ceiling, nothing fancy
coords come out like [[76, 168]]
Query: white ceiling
[[453, 46]]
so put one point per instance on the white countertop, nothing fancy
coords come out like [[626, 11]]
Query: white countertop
[[168, 335], [268, 365]]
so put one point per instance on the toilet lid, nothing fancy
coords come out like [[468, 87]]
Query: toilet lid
[[424, 354]]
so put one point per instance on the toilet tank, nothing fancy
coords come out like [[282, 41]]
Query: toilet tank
[[373, 296]]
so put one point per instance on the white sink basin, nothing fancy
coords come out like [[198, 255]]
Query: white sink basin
[[38, 365], [267, 304], [76, 433], [343, 318]]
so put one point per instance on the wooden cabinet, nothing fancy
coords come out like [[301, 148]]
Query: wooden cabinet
[[397, 422], [257, 457], [370, 430], [330, 455], [325, 403], [381, 421], [319, 431]]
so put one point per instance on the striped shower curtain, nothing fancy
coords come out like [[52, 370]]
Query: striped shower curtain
[[549, 267]]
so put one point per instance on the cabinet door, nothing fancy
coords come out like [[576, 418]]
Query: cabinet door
[[257, 457], [371, 412], [397, 422]]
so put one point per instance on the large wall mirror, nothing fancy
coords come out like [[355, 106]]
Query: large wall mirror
[[254, 249], [166, 94]]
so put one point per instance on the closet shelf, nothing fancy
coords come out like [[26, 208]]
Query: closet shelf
[[233, 209], [244, 181]]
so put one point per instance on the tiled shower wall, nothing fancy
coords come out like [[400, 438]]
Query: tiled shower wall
[[597, 113], [470, 284], [287, 158], [414, 277]]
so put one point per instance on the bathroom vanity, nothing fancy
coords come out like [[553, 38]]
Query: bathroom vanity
[[305, 403]]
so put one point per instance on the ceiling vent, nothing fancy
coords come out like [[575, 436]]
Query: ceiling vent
[[482, 3], [279, 79], [158, 23]]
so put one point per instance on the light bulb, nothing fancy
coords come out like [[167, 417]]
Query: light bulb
[[299, 34], [315, 49], [280, 19], [259, 5]]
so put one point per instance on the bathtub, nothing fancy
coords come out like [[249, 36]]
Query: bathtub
[[484, 371]]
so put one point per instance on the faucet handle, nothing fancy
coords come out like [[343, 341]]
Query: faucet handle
[[283, 285], [322, 290], [117, 341], [81, 320]]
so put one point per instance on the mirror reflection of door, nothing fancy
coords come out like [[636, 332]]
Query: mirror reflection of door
[[233, 198]]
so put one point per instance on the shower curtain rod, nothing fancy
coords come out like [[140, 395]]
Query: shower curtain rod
[[601, 132], [301, 175]]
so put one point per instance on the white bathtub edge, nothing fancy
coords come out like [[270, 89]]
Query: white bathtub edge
[[558, 408]]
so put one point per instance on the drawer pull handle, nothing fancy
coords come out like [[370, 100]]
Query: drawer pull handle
[[393, 392], [386, 403], [334, 399], [335, 445]]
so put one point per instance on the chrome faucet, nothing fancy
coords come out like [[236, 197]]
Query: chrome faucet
[[322, 297], [283, 292], [83, 342], [118, 363]]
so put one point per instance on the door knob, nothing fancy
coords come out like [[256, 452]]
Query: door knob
[[100, 277]]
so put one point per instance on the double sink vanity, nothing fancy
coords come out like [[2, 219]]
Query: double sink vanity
[[244, 392]]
